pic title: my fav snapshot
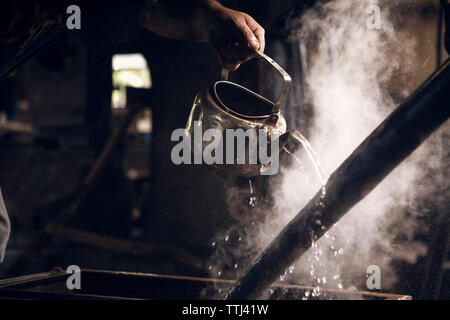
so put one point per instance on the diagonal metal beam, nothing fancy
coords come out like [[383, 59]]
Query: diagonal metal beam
[[388, 145]]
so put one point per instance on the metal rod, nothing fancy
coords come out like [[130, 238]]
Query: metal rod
[[125, 246], [388, 145], [42, 39]]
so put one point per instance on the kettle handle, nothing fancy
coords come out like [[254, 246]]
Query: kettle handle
[[286, 80]]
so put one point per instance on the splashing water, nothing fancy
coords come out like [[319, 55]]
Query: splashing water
[[311, 155], [251, 199], [316, 258], [232, 252]]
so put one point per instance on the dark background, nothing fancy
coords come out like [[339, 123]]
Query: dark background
[[176, 209]]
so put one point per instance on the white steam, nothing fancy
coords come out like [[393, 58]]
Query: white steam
[[349, 83]]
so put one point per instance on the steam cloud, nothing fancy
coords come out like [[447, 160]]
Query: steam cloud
[[353, 81]]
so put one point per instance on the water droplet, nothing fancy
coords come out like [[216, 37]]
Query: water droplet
[[240, 238], [341, 251], [307, 293], [235, 265], [213, 244], [219, 273], [251, 201], [340, 285], [227, 238], [323, 192], [291, 269], [324, 279], [210, 267]]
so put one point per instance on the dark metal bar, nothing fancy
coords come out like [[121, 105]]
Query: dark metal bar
[[107, 284], [388, 145], [40, 42]]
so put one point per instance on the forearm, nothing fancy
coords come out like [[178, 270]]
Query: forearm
[[234, 36], [186, 20]]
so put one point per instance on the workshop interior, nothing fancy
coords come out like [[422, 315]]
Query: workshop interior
[[104, 200]]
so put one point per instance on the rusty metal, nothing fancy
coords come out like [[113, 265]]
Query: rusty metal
[[105, 284], [381, 152]]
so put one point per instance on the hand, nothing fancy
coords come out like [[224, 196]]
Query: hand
[[234, 36]]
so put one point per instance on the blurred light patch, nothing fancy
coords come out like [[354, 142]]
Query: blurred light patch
[[129, 70], [144, 121]]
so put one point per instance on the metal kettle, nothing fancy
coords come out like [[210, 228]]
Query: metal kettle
[[227, 105]]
